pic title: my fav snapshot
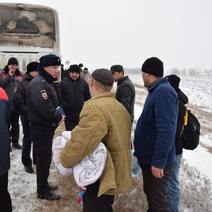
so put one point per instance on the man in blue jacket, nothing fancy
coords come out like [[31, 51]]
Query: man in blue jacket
[[155, 134]]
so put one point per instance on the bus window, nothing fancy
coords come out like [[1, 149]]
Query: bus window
[[27, 32]]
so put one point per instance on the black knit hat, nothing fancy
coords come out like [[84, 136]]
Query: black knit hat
[[174, 80], [104, 76], [12, 61], [32, 67], [116, 68], [74, 68], [50, 60], [153, 66]]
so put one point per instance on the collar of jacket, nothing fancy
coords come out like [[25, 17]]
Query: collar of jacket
[[122, 79], [156, 83], [100, 95], [46, 75], [74, 80]]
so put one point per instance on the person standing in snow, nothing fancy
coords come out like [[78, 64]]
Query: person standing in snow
[[155, 135]]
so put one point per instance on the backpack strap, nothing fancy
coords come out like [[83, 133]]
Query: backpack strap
[[185, 122]]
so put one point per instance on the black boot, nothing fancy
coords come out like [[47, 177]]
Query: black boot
[[29, 169], [49, 196]]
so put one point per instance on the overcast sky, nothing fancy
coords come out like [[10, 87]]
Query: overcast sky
[[101, 33]]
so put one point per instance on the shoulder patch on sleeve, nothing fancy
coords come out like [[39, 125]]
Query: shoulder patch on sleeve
[[15, 89], [44, 94]]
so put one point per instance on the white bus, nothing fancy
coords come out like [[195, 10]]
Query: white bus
[[27, 32]]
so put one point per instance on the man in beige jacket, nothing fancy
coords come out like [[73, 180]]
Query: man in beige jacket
[[102, 119]]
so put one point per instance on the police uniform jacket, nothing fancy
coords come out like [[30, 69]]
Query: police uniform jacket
[[42, 100], [103, 119]]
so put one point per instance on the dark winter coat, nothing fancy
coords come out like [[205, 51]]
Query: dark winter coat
[[8, 82], [4, 133], [183, 99], [156, 128], [19, 96], [125, 94], [73, 93], [42, 100]]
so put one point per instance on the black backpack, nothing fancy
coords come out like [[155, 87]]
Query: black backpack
[[190, 131]]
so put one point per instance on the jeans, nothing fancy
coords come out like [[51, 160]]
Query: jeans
[[174, 186]]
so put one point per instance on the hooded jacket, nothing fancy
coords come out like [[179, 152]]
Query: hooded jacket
[[103, 119]]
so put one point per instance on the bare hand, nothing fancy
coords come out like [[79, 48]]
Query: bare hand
[[62, 120], [11, 72], [156, 172]]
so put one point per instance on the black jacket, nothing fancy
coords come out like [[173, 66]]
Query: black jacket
[[183, 99], [19, 96], [42, 100], [125, 94], [73, 93]]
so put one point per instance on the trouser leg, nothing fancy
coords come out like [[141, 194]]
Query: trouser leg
[[26, 148], [156, 189], [174, 186], [5, 199], [92, 203], [42, 141], [14, 124]]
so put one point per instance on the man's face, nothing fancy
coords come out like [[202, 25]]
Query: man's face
[[144, 77], [74, 75], [12, 67], [33, 73], [52, 70], [117, 75]]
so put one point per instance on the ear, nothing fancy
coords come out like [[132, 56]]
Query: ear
[[91, 82]]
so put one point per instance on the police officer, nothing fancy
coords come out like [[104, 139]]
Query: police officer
[[19, 105], [42, 103]]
